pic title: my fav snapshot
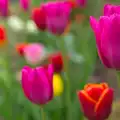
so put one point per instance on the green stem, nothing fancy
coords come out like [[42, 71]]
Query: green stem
[[67, 82], [118, 78], [42, 113]]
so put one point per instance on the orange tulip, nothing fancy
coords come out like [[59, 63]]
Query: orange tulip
[[96, 101]]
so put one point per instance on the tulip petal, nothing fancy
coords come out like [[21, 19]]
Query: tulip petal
[[103, 106], [87, 104], [111, 9], [92, 85], [27, 79], [104, 85], [50, 74], [107, 9], [41, 87], [110, 38], [104, 21]]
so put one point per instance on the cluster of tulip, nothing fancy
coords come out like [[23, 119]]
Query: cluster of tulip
[[37, 83]]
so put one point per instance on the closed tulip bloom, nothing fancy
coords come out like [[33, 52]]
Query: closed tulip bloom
[[39, 17], [96, 101], [57, 60], [107, 34], [4, 11], [25, 4], [57, 85], [58, 16], [37, 84]]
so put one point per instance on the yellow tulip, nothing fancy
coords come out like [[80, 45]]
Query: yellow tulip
[[57, 85]]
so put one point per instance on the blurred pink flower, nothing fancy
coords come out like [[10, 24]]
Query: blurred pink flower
[[81, 3], [4, 7], [58, 16], [25, 4], [33, 53], [107, 33], [37, 84]]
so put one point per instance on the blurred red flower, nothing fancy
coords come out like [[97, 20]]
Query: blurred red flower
[[20, 48]]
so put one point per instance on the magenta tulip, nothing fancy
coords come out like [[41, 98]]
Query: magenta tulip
[[4, 7], [37, 84], [107, 33], [25, 4], [58, 16], [111, 9]]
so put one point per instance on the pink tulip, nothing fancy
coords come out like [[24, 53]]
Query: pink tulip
[[25, 4], [33, 53], [37, 84], [58, 16], [107, 33], [4, 7]]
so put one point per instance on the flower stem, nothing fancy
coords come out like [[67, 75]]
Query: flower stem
[[42, 113], [67, 82], [118, 78]]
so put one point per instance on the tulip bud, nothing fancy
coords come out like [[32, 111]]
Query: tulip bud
[[96, 101], [57, 85], [39, 17], [57, 60], [107, 34], [37, 84]]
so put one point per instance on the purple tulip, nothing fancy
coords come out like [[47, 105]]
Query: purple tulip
[[107, 33], [25, 4], [4, 7], [58, 16], [37, 84]]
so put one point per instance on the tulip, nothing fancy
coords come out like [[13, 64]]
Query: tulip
[[25, 4], [37, 84], [107, 35], [58, 16], [96, 101], [81, 3], [34, 53], [111, 9], [57, 85], [39, 17], [57, 60], [4, 7], [3, 36], [20, 48]]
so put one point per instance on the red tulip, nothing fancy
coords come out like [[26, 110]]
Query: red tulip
[[39, 17], [57, 60], [3, 36], [96, 101]]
